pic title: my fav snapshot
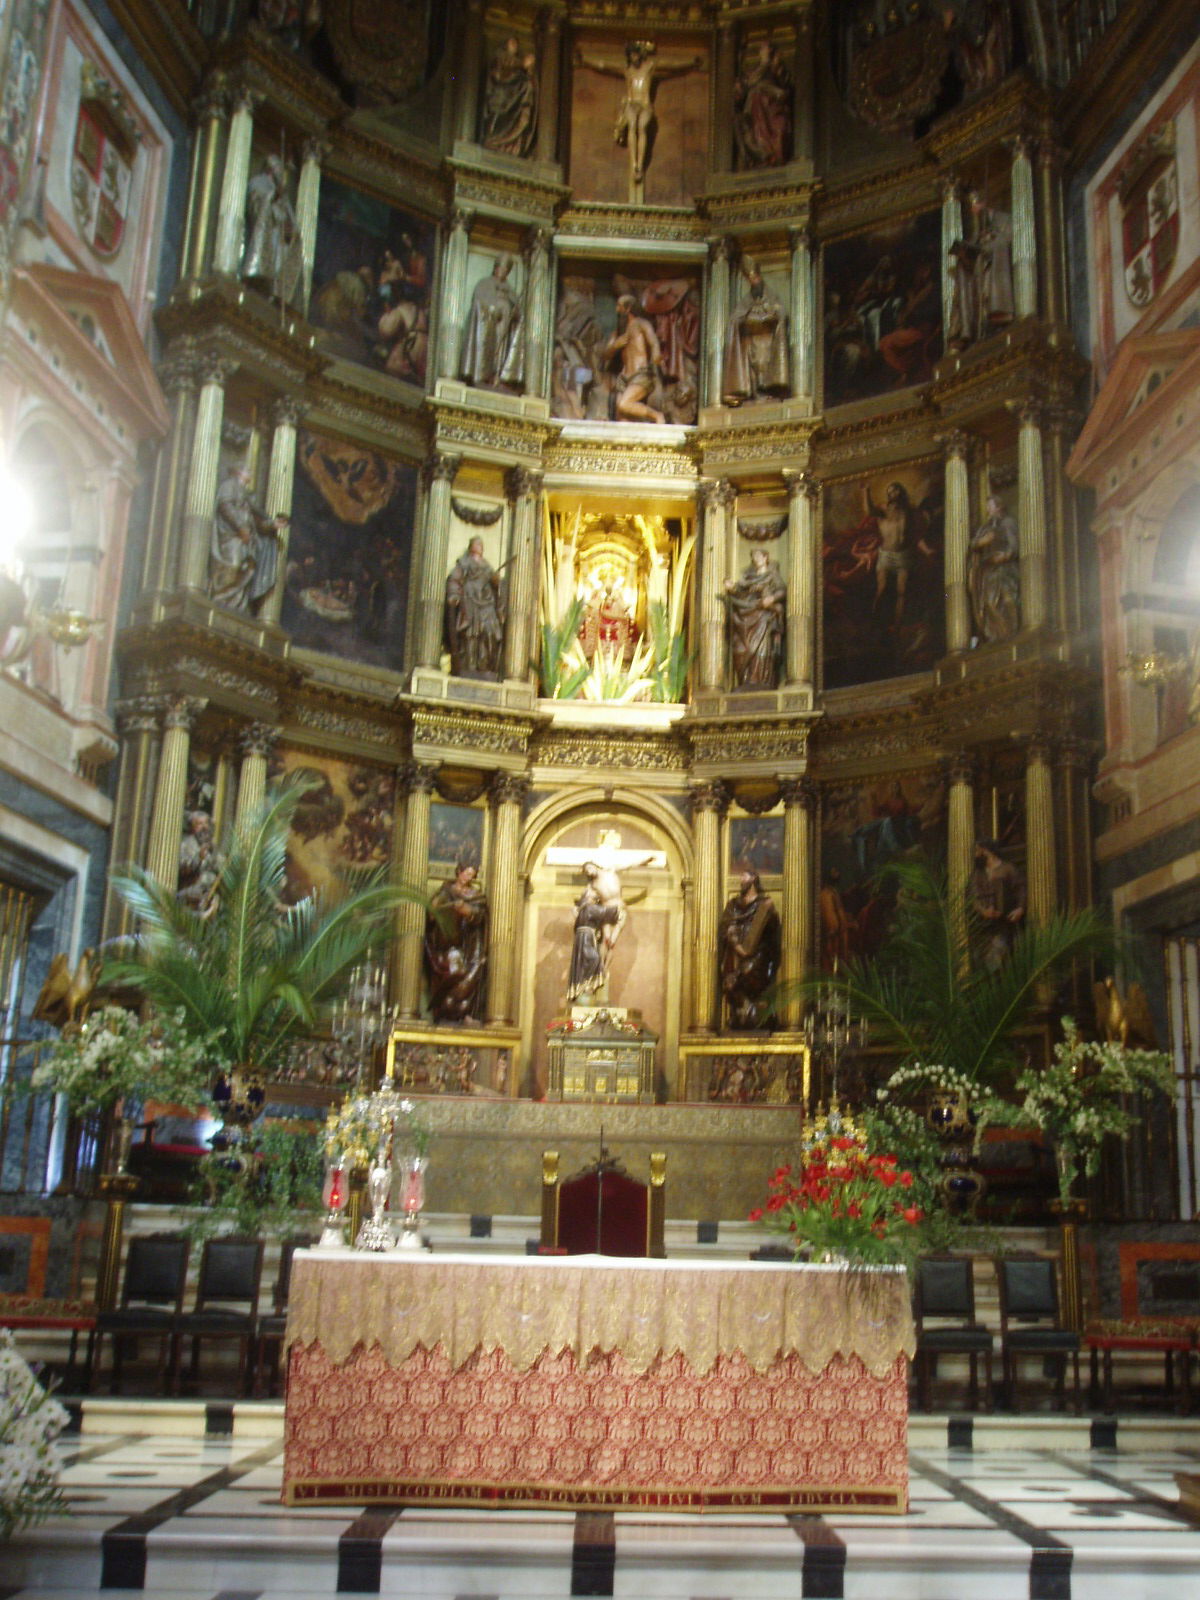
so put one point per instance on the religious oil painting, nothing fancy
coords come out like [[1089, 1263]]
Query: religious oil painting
[[884, 613], [883, 309], [349, 552], [342, 829], [756, 845], [626, 347], [455, 835], [865, 828], [371, 278]]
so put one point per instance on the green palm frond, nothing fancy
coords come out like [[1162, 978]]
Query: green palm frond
[[253, 970]]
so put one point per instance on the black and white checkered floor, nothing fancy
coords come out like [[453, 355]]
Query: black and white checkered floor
[[1006, 1509]]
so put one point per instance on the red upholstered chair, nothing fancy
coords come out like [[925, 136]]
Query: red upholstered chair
[[602, 1210]]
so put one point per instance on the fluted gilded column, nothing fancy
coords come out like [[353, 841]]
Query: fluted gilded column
[[178, 375], [209, 108], [277, 502], [721, 141], [469, 70], [803, 323], [439, 472], [958, 538], [166, 821], [1040, 856], [550, 68], [1074, 756], [804, 491], [804, 91], [524, 490], [137, 724], [1024, 231], [799, 803], [508, 794], [1053, 265], [454, 291], [951, 231], [715, 499], [417, 780], [231, 213], [200, 501], [710, 801], [256, 742], [539, 311], [960, 846], [716, 313], [308, 196], [1031, 517]]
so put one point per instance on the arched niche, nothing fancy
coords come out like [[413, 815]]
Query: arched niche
[[648, 964]]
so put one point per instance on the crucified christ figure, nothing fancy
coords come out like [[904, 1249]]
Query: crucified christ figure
[[635, 115]]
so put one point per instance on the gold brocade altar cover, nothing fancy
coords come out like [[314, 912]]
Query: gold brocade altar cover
[[642, 1310]]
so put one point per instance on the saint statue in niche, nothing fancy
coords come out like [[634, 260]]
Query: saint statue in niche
[[762, 109], [456, 947], [750, 938], [492, 352], [474, 615], [756, 604], [756, 348], [636, 123], [510, 103], [244, 557], [993, 574], [608, 624], [273, 257], [982, 280]]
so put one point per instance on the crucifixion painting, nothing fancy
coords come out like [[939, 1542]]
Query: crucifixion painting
[[636, 122]]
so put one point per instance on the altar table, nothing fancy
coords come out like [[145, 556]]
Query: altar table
[[588, 1382]]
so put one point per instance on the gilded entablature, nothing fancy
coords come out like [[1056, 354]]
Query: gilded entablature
[[602, 459], [727, 449], [757, 746], [502, 436], [788, 204], [222, 321], [887, 197], [506, 196], [658, 224], [610, 752], [659, 13], [441, 729]]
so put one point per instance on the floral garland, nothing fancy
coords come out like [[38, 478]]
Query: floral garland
[[355, 1130], [114, 1055], [30, 1421]]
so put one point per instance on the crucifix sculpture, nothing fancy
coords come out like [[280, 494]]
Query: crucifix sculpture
[[636, 121], [601, 910]]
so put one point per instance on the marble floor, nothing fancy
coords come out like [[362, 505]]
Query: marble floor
[[181, 1502]]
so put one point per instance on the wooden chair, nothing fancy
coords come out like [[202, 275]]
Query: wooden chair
[[151, 1300], [602, 1210], [273, 1326], [944, 1292], [1029, 1297], [230, 1277]]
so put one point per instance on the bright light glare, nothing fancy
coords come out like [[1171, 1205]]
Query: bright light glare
[[16, 518]]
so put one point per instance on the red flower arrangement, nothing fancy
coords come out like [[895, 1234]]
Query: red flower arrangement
[[844, 1202]]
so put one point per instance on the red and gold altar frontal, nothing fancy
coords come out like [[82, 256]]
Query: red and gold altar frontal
[[597, 1384]]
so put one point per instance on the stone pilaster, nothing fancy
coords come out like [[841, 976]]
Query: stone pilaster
[[1040, 853], [539, 311], [524, 491], [509, 791], [716, 305], [454, 290], [231, 212], [1024, 226], [957, 447], [200, 501], [417, 781], [710, 802], [715, 499], [802, 327], [308, 196], [281, 479], [166, 822], [799, 806], [804, 493], [439, 474]]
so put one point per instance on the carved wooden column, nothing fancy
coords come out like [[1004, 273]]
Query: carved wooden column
[[550, 68], [469, 70], [200, 501], [1031, 517], [539, 311], [166, 822], [454, 291], [209, 109], [1040, 854], [508, 794], [799, 804], [716, 316], [524, 490], [805, 90], [178, 374], [1024, 226], [439, 473], [804, 492], [281, 482], [715, 500], [803, 322], [960, 771], [137, 723], [417, 781], [1074, 757], [231, 213], [957, 446], [710, 802], [721, 140], [308, 196], [257, 742]]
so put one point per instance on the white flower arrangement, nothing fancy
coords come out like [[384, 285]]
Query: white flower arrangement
[[1081, 1098], [113, 1055], [30, 1421]]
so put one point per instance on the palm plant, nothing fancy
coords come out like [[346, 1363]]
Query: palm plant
[[252, 971], [927, 1001]]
